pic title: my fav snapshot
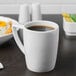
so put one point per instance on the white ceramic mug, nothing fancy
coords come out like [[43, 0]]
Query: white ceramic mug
[[40, 47]]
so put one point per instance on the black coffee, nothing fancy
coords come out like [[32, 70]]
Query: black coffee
[[40, 28]]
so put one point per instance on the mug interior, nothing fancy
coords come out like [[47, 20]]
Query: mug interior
[[42, 23]]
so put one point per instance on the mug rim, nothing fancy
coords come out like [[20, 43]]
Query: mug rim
[[41, 21]]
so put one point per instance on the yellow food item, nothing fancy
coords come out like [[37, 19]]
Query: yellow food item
[[68, 19], [65, 15], [9, 30], [2, 23], [5, 27]]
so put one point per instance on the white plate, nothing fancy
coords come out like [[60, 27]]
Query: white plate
[[6, 37], [69, 28]]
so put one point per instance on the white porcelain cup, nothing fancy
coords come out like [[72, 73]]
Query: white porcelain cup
[[40, 47]]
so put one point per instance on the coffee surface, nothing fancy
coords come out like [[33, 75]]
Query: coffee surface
[[40, 28]]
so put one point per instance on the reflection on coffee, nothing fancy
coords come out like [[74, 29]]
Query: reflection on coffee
[[40, 28]]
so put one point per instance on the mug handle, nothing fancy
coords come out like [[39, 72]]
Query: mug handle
[[16, 36]]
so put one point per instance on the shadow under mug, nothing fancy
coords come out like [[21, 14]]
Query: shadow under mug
[[40, 48]]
